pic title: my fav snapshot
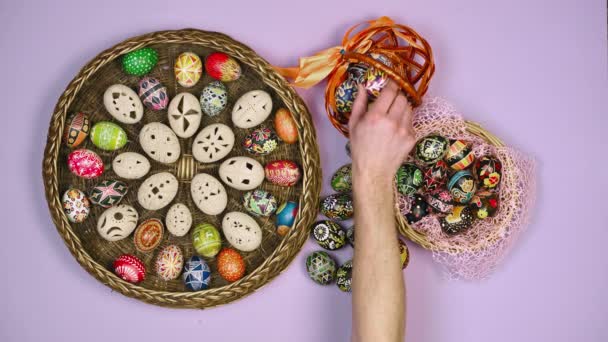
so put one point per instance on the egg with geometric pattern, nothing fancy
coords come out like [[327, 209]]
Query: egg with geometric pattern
[[152, 93], [77, 128], [75, 205], [130, 268], [214, 98], [188, 69], [108, 193], [169, 262], [321, 268], [197, 274]]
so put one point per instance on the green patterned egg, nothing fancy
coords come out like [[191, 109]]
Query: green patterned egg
[[328, 234], [260, 202], [409, 179], [344, 276], [108, 136], [342, 180], [338, 206], [140, 61], [206, 240], [321, 267]]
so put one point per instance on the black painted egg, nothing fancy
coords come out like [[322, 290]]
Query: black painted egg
[[328, 234], [440, 201], [484, 206], [459, 220], [431, 149], [462, 186], [409, 178], [459, 155], [436, 176], [345, 95], [488, 170], [418, 210], [356, 72], [344, 276], [338, 206]]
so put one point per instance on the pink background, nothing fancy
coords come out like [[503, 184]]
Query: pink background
[[532, 72]]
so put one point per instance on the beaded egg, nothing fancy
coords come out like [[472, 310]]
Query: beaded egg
[[462, 186], [230, 265], [77, 128], [261, 141], [222, 67], [459, 220], [140, 61], [436, 176], [328, 234], [152, 93], [409, 179], [214, 98], [431, 149], [108, 193], [459, 155], [188, 69], [338, 206], [197, 274], [130, 268], [418, 210], [321, 268], [345, 95], [344, 276], [488, 170], [286, 216]]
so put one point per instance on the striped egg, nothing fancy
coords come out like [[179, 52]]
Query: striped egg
[[153, 94], [130, 268], [77, 128]]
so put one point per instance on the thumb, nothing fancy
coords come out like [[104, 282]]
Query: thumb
[[359, 106]]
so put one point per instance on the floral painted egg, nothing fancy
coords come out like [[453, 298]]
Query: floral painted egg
[[345, 95], [260, 202], [130, 268], [404, 204], [356, 72], [409, 179], [436, 176], [286, 216], [230, 265], [188, 69], [328, 234], [440, 201], [140, 61], [222, 67], [484, 206], [169, 262], [350, 235], [376, 79], [108, 136], [214, 98], [75, 205], [285, 126], [431, 149], [206, 240], [108, 193], [282, 172], [459, 155], [261, 141], [489, 172], [462, 186], [321, 268], [342, 180], [197, 274], [404, 253], [344, 276], [85, 164], [153, 94], [338, 206], [459, 220], [418, 210], [77, 128], [148, 235]]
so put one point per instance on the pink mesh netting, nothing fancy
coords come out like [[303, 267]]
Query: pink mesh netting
[[474, 254]]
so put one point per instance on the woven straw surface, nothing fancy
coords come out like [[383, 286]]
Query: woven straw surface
[[85, 93]]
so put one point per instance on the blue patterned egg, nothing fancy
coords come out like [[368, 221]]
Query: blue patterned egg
[[214, 98], [286, 216], [197, 274], [345, 95], [152, 93], [260, 202], [261, 141], [356, 72], [462, 186]]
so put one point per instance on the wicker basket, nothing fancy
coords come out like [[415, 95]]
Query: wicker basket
[[85, 93]]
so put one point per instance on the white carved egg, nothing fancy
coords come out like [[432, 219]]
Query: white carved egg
[[123, 104], [157, 191], [213, 143], [130, 165], [251, 109], [178, 219], [242, 231], [242, 173], [117, 222], [184, 114], [159, 142], [208, 194]]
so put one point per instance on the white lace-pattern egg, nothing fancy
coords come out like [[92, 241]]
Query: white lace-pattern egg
[[184, 114], [118, 222], [157, 191], [242, 231], [159, 142], [123, 104], [251, 109], [130, 165], [242, 173], [178, 219], [208, 194], [213, 143]]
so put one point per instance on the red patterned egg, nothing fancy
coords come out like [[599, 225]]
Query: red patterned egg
[[282, 172], [130, 268], [85, 163], [77, 128], [169, 262], [230, 265], [148, 235], [222, 67], [285, 126], [436, 176], [152, 93]]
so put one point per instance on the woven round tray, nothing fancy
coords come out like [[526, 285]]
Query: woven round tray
[[85, 93]]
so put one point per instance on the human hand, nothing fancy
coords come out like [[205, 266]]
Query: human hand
[[382, 135]]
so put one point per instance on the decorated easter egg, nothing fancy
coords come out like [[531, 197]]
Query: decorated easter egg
[[251, 109], [286, 216], [157, 191], [462, 186], [129, 268], [440, 201], [214, 98], [75, 205], [188, 69], [431, 149], [123, 104], [321, 268], [350, 235], [130, 165], [222, 67], [376, 79], [108, 193], [169, 262], [344, 276], [338, 206], [436, 176], [328, 234], [208, 194], [409, 178], [342, 180], [404, 253], [117, 222], [345, 95], [184, 115], [159, 142], [77, 128], [260, 202], [242, 231], [459, 220], [178, 219], [484, 206], [140, 61], [261, 141], [148, 235], [459, 155], [230, 265], [85, 164], [347, 148], [242, 173], [404, 204], [213, 143], [488, 170], [152, 93], [197, 274], [108, 136], [282, 172], [285, 126], [206, 240], [418, 210], [356, 72]]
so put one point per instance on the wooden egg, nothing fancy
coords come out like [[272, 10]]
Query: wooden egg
[[85, 164], [222, 67], [338, 206], [459, 220], [286, 216], [285, 126], [409, 178], [148, 235], [130, 268], [431, 149], [188, 69], [108, 193], [77, 128], [140, 61], [488, 170], [462, 186], [321, 268], [230, 265], [459, 155]]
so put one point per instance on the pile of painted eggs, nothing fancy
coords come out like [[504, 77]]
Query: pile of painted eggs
[[162, 142]]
